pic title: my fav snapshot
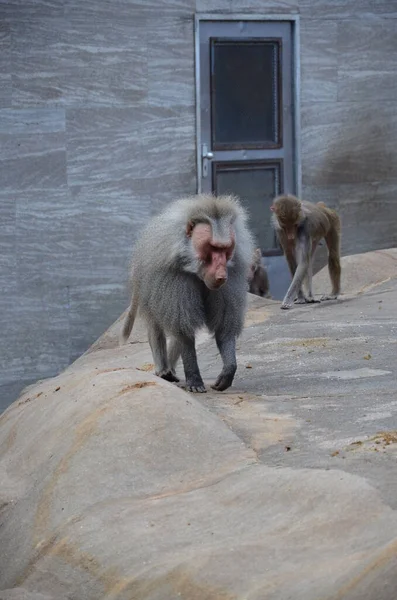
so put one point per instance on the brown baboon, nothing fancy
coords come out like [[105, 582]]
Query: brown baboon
[[189, 269], [300, 226], [258, 279]]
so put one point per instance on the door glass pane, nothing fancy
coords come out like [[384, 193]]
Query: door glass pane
[[245, 93], [256, 185]]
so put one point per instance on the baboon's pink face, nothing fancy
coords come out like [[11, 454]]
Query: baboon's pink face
[[213, 256]]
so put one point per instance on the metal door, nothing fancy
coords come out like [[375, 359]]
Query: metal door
[[245, 117]]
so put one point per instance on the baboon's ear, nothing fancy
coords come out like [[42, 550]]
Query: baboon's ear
[[189, 228], [272, 208]]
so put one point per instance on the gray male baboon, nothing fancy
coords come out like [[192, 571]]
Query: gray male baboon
[[300, 226], [258, 279], [189, 269]]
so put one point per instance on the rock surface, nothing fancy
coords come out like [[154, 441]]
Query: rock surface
[[118, 485]]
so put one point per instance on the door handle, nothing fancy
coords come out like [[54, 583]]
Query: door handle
[[206, 155]]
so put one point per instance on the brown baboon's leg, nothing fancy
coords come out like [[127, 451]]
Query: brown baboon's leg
[[332, 240]]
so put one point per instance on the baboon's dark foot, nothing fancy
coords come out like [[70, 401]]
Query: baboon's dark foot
[[221, 384], [311, 300], [224, 380], [329, 297], [169, 376], [196, 385], [196, 389]]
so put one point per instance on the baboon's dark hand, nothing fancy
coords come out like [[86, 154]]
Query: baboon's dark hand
[[286, 305]]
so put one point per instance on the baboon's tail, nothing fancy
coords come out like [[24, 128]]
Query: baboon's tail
[[129, 320]]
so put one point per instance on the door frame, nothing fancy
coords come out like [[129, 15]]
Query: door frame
[[296, 127]]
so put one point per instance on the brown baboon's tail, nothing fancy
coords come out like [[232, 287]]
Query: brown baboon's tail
[[129, 320]]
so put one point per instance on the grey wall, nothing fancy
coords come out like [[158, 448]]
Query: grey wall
[[97, 132]]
